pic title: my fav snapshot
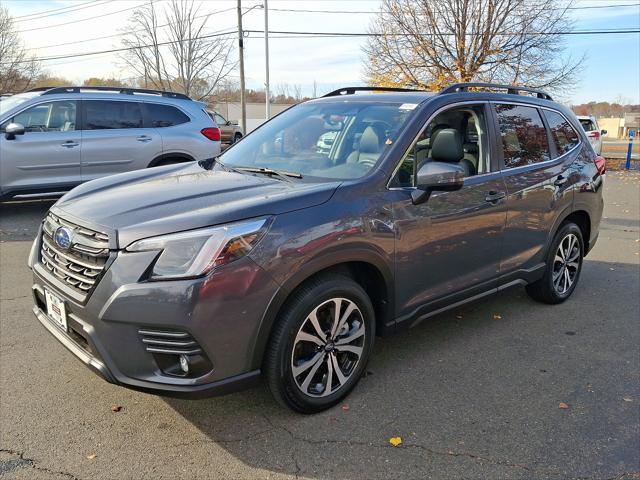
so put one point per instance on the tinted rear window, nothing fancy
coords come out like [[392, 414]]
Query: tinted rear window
[[165, 115], [102, 115], [524, 137], [564, 136]]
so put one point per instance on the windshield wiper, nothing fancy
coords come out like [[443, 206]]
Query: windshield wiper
[[283, 174]]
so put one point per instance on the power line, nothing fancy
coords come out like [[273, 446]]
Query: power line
[[123, 49], [123, 33], [94, 3], [365, 34], [299, 34], [81, 19], [54, 10], [303, 10]]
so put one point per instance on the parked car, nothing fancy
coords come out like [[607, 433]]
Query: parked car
[[285, 260], [594, 134], [52, 139], [230, 131]]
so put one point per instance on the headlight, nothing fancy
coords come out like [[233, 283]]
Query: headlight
[[197, 252]]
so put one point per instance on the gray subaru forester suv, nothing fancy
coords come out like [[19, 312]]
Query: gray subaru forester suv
[[288, 254], [52, 139]]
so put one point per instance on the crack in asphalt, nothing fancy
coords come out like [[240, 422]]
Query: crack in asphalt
[[448, 453], [13, 298], [33, 464]]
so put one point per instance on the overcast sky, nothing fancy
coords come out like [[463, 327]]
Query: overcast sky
[[612, 66]]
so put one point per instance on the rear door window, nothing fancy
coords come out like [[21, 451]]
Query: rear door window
[[563, 134], [524, 137], [106, 115], [165, 115]]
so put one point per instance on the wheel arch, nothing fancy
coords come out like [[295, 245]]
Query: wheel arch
[[365, 267], [177, 157]]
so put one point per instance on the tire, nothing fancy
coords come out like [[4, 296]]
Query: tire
[[562, 274], [236, 138], [296, 343]]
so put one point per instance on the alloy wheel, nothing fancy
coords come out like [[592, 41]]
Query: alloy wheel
[[566, 264], [328, 347]]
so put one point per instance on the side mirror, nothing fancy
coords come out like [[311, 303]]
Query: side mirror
[[603, 132], [228, 123], [437, 176], [12, 130]]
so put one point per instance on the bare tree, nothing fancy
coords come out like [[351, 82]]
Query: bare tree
[[17, 68], [431, 43], [170, 50]]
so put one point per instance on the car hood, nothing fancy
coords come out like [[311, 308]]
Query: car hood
[[156, 201]]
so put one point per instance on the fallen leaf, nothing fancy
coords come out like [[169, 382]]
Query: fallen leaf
[[563, 406], [627, 399], [346, 408], [116, 408], [497, 317], [459, 316], [395, 441], [611, 268], [92, 456]]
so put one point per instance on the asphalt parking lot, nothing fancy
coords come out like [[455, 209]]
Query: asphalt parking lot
[[473, 393]]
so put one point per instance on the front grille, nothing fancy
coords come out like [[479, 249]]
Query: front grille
[[81, 265], [171, 342]]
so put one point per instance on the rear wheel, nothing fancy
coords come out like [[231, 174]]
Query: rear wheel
[[564, 263], [321, 344]]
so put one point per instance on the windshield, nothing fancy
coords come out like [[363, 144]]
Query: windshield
[[8, 103], [336, 140]]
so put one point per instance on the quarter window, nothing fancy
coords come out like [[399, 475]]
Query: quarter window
[[564, 136], [105, 115], [48, 117], [165, 115], [524, 137]]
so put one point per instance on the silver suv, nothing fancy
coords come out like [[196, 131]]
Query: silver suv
[[53, 139]]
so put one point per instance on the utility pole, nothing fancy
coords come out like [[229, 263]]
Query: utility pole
[[266, 54], [243, 105]]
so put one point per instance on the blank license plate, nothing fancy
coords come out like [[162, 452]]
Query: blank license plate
[[55, 309]]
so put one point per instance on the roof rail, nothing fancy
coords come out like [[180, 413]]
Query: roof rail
[[40, 89], [122, 90], [511, 89], [353, 90]]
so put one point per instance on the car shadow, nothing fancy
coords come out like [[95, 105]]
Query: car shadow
[[464, 389]]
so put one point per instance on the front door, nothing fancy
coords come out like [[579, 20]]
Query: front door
[[115, 138], [47, 156], [451, 244]]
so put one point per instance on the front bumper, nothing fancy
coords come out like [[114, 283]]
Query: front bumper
[[221, 312]]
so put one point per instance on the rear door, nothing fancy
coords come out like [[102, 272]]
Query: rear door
[[115, 138], [47, 156], [593, 133], [539, 184]]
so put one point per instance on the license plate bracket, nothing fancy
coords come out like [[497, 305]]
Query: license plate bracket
[[56, 309]]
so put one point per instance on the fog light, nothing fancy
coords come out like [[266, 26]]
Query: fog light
[[184, 364]]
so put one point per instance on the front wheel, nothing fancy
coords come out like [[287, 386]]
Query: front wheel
[[564, 263], [321, 344]]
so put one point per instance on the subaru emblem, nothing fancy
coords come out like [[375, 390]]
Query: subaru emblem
[[63, 237]]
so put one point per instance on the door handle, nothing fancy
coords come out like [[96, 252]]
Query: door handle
[[561, 180], [144, 138], [493, 196], [70, 144]]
